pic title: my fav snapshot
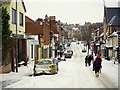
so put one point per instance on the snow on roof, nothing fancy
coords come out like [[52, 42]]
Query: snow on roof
[[75, 28], [114, 34], [108, 46], [97, 44], [101, 34]]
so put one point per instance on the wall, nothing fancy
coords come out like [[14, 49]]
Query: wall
[[5, 69], [29, 43], [10, 5]]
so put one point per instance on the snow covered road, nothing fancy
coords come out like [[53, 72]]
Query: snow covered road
[[73, 74]]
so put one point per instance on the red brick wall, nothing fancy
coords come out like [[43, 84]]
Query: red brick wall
[[8, 63], [91, 27], [54, 27], [33, 28], [46, 32], [100, 31]]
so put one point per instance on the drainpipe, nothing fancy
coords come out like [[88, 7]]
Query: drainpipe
[[118, 46]]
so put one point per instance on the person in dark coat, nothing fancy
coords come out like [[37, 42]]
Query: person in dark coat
[[86, 60], [97, 65], [90, 57], [61, 53]]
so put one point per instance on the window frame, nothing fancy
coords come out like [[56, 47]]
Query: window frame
[[14, 19], [21, 16]]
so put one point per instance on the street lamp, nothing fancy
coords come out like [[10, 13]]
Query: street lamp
[[16, 39], [0, 34], [50, 44]]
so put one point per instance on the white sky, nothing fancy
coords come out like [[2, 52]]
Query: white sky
[[70, 11]]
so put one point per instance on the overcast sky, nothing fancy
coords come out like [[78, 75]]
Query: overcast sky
[[70, 11]]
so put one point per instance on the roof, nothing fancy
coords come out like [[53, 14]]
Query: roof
[[98, 25], [27, 19], [33, 28], [114, 34], [24, 6], [115, 21], [113, 16], [101, 34]]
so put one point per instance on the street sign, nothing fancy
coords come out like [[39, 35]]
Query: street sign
[[55, 41], [52, 49], [64, 49], [114, 51]]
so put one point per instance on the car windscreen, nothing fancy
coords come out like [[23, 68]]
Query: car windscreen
[[45, 62]]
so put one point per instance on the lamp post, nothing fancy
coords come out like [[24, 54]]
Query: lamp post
[[50, 53], [16, 39], [0, 33], [50, 45]]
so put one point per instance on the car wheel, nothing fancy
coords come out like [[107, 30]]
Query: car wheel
[[56, 72], [34, 74]]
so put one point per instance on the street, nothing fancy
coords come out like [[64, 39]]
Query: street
[[73, 74]]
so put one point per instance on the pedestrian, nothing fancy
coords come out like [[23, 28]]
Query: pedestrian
[[97, 65], [86, 60], [90, 57], [61, 53]]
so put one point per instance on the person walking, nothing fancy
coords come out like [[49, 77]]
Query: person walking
[[61, 53], [97, 65], [90, 57], [86, 60]]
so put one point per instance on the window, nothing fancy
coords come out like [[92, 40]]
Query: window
[[21, 19], [13, 16]]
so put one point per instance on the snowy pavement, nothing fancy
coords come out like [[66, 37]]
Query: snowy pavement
[[72, 74], [12, 77]]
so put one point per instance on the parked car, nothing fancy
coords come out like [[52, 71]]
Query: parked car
[[83, 50], [49, 66]]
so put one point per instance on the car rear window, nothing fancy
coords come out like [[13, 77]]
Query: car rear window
[[69, 51], [46, 62]]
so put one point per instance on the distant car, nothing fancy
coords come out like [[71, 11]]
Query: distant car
[[68, 45], [49, 66], [70, 51], [83, 50], [78, 43], [68, 54]]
